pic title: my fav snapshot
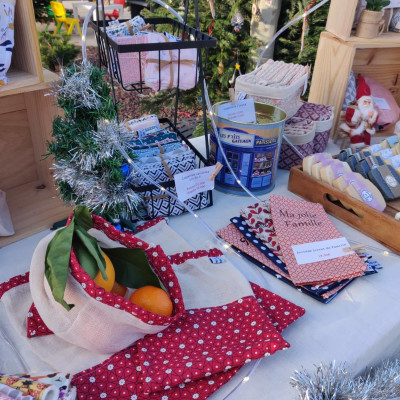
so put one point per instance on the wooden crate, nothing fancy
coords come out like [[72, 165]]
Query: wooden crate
[[381, 226], [378, 58], [341, 17], [26, 67]]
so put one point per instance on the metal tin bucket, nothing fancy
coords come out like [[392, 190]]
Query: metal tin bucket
[[252, 150]]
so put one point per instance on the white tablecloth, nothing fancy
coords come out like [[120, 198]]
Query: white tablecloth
[[360, 326]]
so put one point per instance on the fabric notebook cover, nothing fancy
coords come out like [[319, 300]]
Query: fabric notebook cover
[[251, 253], [318, 289], [316, 226]]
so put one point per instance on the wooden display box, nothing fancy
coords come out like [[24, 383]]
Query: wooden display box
[[26, 116], [377, 58], [26, 67], [381, 226]]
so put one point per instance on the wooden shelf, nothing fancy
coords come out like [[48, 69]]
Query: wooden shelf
[[386, 40], [33, 208], [377, 58]]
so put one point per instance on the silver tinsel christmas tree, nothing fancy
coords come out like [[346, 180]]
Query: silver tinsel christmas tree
[[89, 168]]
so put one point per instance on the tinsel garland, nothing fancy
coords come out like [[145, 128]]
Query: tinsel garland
[[335, 382]]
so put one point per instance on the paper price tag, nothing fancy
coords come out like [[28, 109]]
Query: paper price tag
[[308, 253], [241, 111], [190, 183]]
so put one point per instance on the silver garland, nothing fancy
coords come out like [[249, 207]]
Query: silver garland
[[110, 137], [335, 382], [95, 188], [77, 87]]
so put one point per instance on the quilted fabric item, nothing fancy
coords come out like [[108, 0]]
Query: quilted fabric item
[[162, 169], [197, 355], [351, 91]]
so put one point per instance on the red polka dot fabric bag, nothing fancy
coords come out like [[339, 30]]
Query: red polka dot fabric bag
[[100, 321]]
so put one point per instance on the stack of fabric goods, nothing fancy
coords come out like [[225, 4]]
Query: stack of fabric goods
[[252, 233], [160, 155], [159, 69]]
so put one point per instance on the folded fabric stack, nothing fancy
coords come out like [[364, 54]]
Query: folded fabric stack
[[252, 233], [276, 83], [160, 155], [159, 69]]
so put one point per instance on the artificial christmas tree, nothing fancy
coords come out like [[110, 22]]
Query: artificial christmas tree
[[89, 168]]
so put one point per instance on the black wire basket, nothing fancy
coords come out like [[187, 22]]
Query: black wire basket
[[111, 50], [159, 204]]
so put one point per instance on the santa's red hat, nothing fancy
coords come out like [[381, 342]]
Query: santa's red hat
[[363, 89]]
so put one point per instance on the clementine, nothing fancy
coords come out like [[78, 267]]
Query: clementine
[[108, 284], [119, 289], [153, 299]]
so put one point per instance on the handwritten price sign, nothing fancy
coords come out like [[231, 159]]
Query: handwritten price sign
[[190, 183]]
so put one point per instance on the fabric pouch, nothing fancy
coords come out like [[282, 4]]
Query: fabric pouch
[[100, 321], [146, 150], [7, 12], [161, 137], [387, 180]]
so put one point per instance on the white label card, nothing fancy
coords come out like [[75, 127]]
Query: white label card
[[190, 183], [308, 253], [381, 103], [241, 111]]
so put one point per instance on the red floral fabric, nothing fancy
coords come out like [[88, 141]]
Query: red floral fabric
[[13, 282], [35, 326], [149, 224], [180, 258], [196, 354]]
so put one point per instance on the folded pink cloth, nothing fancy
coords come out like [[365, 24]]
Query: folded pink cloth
[[168, 69]]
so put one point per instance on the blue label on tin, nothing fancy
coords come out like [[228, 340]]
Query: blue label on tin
[[252, 158]]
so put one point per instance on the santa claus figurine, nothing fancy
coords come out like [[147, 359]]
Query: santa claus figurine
[[361, 117]]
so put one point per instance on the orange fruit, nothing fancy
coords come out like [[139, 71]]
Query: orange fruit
[[119, 289], [153, 299], [108, 284]]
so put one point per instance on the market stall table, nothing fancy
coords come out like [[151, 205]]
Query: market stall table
[[360, 326]]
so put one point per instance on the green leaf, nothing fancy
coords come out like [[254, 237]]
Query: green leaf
[[57, 263], [93, 248], [85, 258], [83, 217], [132, 269]]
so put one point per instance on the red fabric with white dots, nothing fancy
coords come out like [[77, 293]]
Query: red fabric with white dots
[[196, 354]]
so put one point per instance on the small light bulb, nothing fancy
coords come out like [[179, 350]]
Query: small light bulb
[[195, 215], [129, 160], [246, 379], [163, 189], [385, 253], [226, 246], [238, 181]]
